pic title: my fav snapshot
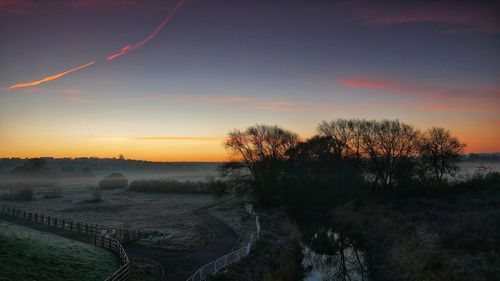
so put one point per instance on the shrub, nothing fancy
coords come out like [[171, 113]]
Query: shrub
[[20, 194], [53, 193], [113, 181], [216, 187], [22, 190], [96, 195]]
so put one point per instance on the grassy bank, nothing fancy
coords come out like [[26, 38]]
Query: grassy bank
[[276, 255], [27, 254], [451, 235]]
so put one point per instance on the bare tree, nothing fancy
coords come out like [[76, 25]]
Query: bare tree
[[391, 146], [340, 132], [262, 150], [260, 143], [346, 135], [440, 153]]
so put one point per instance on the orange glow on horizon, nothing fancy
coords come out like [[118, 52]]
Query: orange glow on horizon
[[169, 149], [50, 78]]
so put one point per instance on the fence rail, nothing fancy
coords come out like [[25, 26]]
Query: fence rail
[[234, 256], [101, 236]]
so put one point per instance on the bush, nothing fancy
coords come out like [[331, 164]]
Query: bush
[[20, 194], [216, 187], [22, 190], [113, 181], [96, 195], [53, 193]]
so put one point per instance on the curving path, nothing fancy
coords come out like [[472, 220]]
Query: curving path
[[178, 265]]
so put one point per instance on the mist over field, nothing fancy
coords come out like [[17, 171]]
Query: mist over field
[[72, 173]]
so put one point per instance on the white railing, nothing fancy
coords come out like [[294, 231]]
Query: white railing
[[234, 256]]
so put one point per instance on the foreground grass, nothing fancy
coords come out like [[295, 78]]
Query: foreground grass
[[27, 254], [452, 236]]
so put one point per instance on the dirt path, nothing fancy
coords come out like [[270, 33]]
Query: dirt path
[[178, 265]]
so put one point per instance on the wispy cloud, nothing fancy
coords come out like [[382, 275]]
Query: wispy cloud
[[100, 3], [70, 91], [431, 92], [488, 122], [22, 7], [476, 15], [17, 7], [76, 100], [461, 108], [403, 106], [243, 102], [180, 138]]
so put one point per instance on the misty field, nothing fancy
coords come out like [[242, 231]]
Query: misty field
[[27, 254], [165, 220]]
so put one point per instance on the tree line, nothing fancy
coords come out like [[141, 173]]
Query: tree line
[[344, 155]]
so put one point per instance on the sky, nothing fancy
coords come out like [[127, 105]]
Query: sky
[[165, 80]]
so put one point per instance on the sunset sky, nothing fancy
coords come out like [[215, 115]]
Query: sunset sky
[[166, 80]]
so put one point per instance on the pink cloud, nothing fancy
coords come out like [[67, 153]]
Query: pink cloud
[[17, 7], [461, 108], [100, 3], [20, 7], [279, 108], [248, 103], [57, 91], [488, 122], [377, 84], [230, 100], [477, 15], [432, 92], [180, 139], [76, 100], [213, 100], [404, 106], [70, 91]]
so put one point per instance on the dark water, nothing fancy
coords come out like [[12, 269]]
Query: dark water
[[331, 255]]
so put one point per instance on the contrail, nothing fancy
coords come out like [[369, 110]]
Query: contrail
[[124, 50], [49, 78], [131, 47]]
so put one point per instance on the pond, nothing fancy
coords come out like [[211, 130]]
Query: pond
[[331, 255]]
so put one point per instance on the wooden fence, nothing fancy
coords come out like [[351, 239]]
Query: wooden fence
[[122, 235], [99, 236], [223, 262], [115, 246]]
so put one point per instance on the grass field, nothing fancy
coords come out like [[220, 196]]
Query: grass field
[[155, 214], [27, 254]]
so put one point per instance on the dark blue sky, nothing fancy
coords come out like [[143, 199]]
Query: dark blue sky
[[221, 64]]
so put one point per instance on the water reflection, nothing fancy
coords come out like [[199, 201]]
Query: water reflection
[[330, 255]]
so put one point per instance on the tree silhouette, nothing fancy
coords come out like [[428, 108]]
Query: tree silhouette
[[440, 153]]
